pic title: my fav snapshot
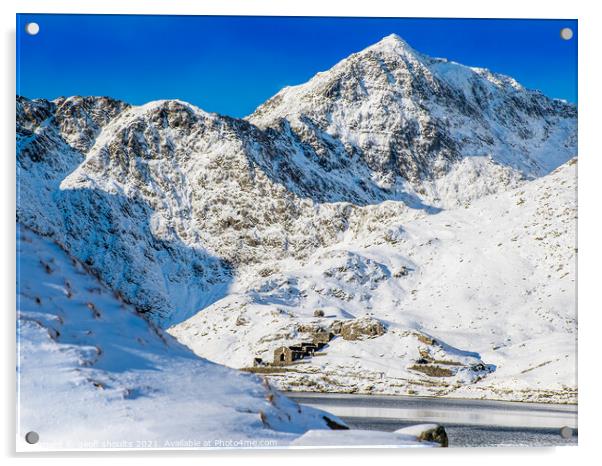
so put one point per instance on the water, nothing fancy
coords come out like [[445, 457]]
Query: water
[[469, 423]]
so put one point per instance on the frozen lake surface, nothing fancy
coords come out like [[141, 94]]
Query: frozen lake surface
[[467, 422]]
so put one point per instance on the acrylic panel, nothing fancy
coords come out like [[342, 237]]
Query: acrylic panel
[[273, 232]]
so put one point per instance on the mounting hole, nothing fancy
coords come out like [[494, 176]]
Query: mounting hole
[[32, 28], [566, 432], [566, 33], [32, 437]]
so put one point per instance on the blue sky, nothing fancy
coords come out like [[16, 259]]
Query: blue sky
[[230, 65]]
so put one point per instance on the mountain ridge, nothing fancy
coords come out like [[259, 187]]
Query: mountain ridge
[[183, 195]]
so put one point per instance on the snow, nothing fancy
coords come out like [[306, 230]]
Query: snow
[[94, 374], [493, 283]]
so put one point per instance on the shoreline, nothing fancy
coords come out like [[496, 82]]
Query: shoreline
[[316, 394]]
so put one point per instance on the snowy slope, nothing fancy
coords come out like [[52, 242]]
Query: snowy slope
[[492, 283], [93, 374]]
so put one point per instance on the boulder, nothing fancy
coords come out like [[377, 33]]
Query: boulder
[[427, 433]]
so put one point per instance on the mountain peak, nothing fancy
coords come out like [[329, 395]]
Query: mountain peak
[[406, 115], [392, 39], [392, 43]]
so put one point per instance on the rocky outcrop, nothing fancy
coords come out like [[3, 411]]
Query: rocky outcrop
[[362, 328]]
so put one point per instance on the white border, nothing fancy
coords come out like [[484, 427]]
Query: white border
[[590, 227], [432, 8]]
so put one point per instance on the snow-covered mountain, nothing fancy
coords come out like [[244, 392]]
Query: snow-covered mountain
[[333, 195], [389, 120]]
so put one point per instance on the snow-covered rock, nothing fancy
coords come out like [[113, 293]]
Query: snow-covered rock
[[427, 432]]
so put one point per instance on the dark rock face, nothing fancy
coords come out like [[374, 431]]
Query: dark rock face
[[31, 114], [75, 121], [80, 119]]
